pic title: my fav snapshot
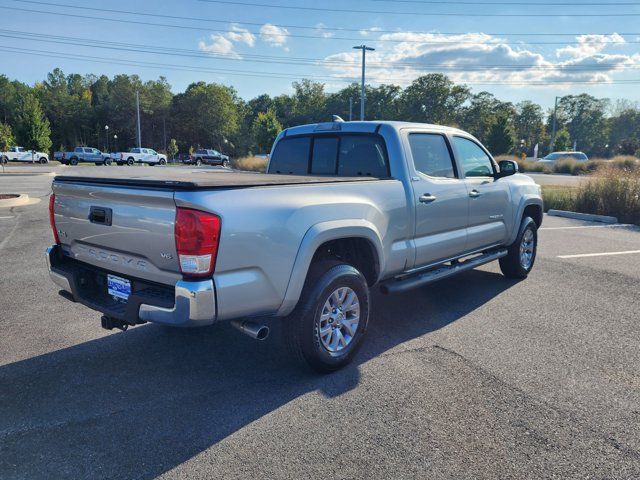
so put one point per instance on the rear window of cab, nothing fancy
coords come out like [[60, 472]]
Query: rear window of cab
[[346, 155]]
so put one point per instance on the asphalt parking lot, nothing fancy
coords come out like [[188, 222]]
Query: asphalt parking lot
[[474, 377]]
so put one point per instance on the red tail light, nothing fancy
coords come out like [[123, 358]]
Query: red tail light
[[197, 238], [52, 218]]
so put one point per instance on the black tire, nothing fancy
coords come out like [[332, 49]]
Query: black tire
[[120, 164], [513, 265], [130, 161], [225, 163], [107, 161], [98, 163], [198, 162], [302, 327], [73, 161], [4, 159], [43, 160], [162, 161]]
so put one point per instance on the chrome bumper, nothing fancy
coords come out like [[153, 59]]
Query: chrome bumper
[[194, 306]]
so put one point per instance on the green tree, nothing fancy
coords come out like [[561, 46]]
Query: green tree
[[6, 137], [481, 114], [172, 149], [501, 136], [563, 141], [433, 98], [33, 130], [264, 130], [206, 114], [529, 124], [309, 102], [584, 118]]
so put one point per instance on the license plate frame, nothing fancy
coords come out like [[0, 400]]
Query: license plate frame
[[119, 288]]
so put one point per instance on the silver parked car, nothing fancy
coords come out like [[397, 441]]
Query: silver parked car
[[343, 209]]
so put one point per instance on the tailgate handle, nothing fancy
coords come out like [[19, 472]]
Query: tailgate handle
[[100, 215]]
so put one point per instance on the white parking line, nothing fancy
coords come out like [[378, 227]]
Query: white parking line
[[628, 252], [617, 225], [2, 218]]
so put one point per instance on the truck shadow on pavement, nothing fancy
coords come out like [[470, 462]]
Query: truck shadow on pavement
[[137, 404]]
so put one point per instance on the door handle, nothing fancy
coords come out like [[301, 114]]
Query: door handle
[[474, 193], [427, 198]]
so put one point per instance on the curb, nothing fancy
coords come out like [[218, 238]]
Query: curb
[[29, 174], [589, 217], [22, 199]]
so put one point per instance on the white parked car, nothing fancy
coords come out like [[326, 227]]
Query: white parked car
[[21, 154], [555, 156], [140, 155]]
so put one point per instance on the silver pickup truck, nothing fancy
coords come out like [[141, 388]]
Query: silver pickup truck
[[345, 207]]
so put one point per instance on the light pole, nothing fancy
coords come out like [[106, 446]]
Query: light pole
[[106, 134], [115, 142], [364, 49], [553, 129]]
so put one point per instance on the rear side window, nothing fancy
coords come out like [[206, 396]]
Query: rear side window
[[362, 155], [324, 156], [431, 155], [291, 156]]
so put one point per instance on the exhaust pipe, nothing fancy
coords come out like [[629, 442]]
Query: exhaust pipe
[[254, 330]]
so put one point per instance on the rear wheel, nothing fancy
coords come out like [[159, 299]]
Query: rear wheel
[[4, 159], [327, 326], [522, 252]]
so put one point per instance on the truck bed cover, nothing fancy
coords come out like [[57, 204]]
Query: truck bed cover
[[179, 179]]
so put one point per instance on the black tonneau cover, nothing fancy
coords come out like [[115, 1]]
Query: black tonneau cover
[[180, 179]]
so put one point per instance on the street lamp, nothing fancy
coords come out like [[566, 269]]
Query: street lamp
[[115, 142], [106, 134], [364, 49]]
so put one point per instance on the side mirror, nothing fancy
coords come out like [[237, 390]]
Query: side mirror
[[507, 168]]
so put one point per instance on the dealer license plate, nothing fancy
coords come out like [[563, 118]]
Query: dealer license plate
[[119, 288]]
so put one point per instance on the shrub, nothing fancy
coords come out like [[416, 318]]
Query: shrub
[[558, 198], [253, 164], [611, 192]]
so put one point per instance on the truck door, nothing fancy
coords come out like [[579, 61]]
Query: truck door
[[440, 196], [489, 205]]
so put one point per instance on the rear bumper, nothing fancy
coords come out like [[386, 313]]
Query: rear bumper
[[188, 304]]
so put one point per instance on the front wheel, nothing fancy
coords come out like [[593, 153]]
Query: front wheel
[[225, 163], [130, 161], [73, 161], [198, 162], [327, 327], [107, 161], [162, 161], [43, 160], [522, 252], [4, 159]]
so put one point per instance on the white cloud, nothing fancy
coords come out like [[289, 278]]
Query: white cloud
[[224, 43], [366, 31], [320, 29], [478, 57], [588, 45], [274, 35]]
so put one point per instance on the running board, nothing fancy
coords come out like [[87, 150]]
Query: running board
[[401, 285]]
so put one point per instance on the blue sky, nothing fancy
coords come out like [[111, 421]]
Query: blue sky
[[260, 49]]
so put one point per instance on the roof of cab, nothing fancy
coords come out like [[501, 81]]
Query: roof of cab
[[366, 126]]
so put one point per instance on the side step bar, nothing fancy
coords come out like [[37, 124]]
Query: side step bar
[[438, 273]]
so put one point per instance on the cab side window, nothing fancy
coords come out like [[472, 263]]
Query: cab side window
[[431, 155], [475, 162]]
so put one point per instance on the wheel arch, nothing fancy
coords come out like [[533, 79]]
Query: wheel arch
[[354, 241], [530, 206]]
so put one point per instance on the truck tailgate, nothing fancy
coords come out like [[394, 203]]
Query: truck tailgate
[[125, 230]]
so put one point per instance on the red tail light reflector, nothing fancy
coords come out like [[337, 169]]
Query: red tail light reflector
[[52, 218], [197, 238]]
